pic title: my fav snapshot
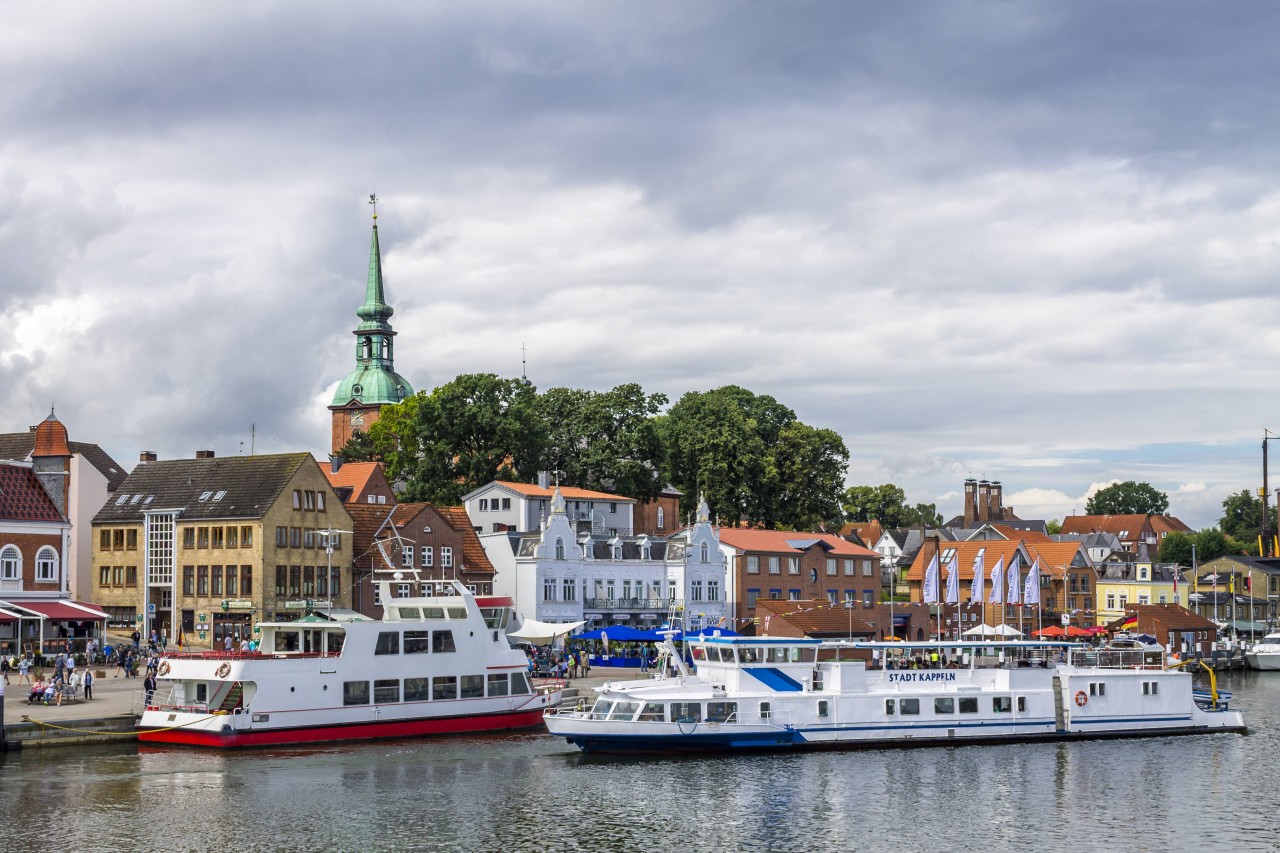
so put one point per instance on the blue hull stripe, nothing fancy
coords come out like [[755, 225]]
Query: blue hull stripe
[[774, 679]]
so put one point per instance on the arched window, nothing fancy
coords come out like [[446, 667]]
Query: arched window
[[368, 347], [559, 549], [46, 565], [661, 521], [10, 563], [706, 553]]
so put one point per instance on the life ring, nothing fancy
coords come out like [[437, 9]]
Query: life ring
[[222, 669], [1082, 698], [164, 668]]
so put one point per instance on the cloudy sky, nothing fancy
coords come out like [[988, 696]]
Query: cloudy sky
[[1037, 243]]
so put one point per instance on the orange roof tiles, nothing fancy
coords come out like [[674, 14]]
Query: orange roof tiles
[[353, 475], [1055, 557], [1129, 525], [775, 541], [813, 618], [51, 438], [473, 553], [1024, 535], [570, 493]]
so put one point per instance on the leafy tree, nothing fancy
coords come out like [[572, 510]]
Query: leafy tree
[[1210, 544], [1242, 519], [1054, 527], [605, 441], [1128, 498], [809, 465], [1176, 548], [888, 505]]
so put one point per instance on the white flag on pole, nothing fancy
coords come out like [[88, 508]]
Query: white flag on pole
[[931, 581], [975, 590], [1031, 591], [953, 579], [997, 582], [1015, 585]]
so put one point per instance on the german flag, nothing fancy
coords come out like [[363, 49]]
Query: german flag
[[1130, 622]]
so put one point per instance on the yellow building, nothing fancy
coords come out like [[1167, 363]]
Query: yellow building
[[213, 546], [1121, 584]]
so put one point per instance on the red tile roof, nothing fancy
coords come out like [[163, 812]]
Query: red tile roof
[[1130, 525], [570, 493], [51, 438], [22, 498], [352, 475], [815, 618], [473, 554], [785, 542], [1055, 557], [1168, 524]]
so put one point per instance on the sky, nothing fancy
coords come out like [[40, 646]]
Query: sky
[[1032, 242]]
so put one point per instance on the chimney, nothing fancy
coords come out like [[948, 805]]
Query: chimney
[[997, 501], [204, 454], [335, 463], [970, 501], [147, 456], [984, 501], [544, 479]]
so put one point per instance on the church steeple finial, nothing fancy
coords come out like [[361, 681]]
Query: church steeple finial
[[375, 312]]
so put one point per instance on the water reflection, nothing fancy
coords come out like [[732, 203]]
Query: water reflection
[[533, 792]]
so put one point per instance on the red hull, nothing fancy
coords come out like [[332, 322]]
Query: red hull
[[364, 731]]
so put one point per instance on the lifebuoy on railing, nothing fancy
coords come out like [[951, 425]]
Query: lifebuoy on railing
[[1082, 698], [222, 670]]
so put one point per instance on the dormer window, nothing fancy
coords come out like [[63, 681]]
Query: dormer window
[[617, 552]]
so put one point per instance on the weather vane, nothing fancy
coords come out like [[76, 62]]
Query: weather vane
[[373, 200]]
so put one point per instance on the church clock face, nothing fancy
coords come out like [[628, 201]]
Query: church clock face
[[357, 418]]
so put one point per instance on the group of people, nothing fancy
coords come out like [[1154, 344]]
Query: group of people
[[563, 663]]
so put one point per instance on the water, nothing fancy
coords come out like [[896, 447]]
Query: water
[[533, 792]]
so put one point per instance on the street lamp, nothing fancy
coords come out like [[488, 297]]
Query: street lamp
[[329, 534]]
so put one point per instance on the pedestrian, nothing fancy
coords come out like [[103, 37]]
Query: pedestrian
[[24, 669], [149, 686], [88, 683], [5, 666], [226, 644], [164, 640], [71, 666], [137, 638], [119, 659]]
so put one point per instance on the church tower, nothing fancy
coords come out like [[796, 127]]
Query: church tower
[[374, 382]]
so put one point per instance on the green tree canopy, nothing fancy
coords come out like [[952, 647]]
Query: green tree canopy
[[888, 505], [1210, 544], [1242, 518], [1128, 498]]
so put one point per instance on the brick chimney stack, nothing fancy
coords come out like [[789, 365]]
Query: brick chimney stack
[[146, 456], [970, 501], [984, 501], [997, 501], [204, 454]]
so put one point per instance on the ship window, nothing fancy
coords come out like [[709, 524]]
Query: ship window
[[824, 709], [417, 689], [944, 705], [445, 687], [624, 710], [909, 706], [409, 612], [519, 684], [1022, 704], [442, 641], [600, 710], [653, 712], [1001, 704], [888, 707], [433, 613], [804, 655], [473, 687], [725, 712], [778, 654], [968, 704], [1150, 688], [498, 685], [699, 653], [1097, 688], [686, 712], [417, 642], [202, 693], [386, 690], [355, 693], [457, 613], [388, 643]]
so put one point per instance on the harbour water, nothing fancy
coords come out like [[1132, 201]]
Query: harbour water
[[532, 792]]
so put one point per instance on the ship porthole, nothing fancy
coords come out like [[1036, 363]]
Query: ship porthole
[[291, 689]]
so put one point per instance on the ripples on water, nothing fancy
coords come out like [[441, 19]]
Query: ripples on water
[[533, 792]]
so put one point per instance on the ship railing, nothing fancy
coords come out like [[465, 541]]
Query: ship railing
[[222, 655], [548, 686], [1118, 658]]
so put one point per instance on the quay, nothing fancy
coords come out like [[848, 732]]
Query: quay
[[113, 714]]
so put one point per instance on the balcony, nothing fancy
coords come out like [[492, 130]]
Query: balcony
[[622, 605], [10, 586]]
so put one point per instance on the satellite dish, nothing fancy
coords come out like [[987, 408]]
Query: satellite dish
[[398, 575]]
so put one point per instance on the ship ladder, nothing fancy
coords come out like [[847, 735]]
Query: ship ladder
[[233, 698]]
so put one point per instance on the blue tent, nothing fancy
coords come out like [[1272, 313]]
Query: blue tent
[[623, 634]]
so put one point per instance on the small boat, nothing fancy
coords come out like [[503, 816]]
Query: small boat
[[432, 665], [771, 693], [1265, 654]]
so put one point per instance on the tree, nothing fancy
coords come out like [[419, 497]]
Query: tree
[[1128, 498], [888, 505], [1210, 544], [1242, 518], [809, 465], [1054, 527], [605, 441], [1176, 548]]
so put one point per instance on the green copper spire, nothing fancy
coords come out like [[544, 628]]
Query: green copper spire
[[374, 381]]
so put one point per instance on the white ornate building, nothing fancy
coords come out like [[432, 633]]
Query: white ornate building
[[569, 571]]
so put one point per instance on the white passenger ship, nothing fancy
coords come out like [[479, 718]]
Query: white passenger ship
[[751, 693], [432, 665]]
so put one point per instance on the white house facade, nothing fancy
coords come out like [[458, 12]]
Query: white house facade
[[497, 506]]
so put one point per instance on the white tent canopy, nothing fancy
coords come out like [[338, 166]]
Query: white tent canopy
[[542, 633], [1007, 631], [983, 630]]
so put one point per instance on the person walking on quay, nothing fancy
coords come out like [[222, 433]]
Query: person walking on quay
[[149, 685], [119, 656], [137, 638], [24, 669], [5, 666], [70, 668], [88, 684]]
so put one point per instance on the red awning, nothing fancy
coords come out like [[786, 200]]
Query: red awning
[[63, 610], [9, 616]]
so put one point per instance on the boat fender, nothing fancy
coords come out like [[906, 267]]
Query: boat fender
[[226, 729], [164, 668], [222, 670], [1082, 698]]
